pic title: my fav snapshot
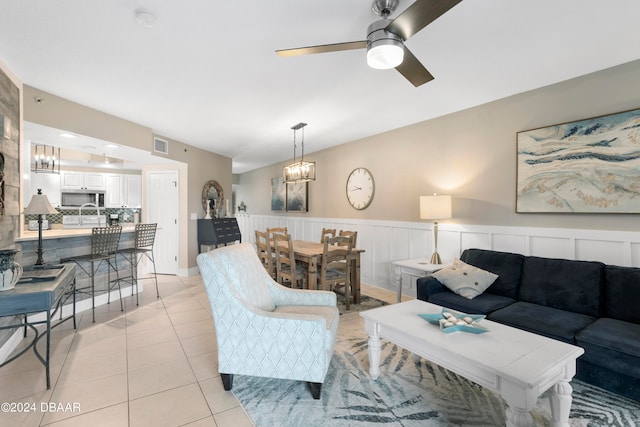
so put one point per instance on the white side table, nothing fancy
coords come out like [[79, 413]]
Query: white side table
[[416, 267]]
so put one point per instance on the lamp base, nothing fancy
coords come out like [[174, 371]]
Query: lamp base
[[435, 258]]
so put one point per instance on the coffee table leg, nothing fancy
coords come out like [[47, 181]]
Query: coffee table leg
[[518, 418], [374, 351], [560, 404]]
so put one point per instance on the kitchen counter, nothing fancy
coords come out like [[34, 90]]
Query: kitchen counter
[[58, 233]]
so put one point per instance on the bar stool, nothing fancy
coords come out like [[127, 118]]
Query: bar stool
[[104, 245], [145, 235]]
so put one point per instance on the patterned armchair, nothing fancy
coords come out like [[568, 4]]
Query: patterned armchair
[[263, 328]]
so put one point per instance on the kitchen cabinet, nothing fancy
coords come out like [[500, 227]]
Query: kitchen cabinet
[[71, 180], [49, 183], [123, 191]]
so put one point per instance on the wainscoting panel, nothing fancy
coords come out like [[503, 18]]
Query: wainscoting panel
[[551, 247], [387, 241]]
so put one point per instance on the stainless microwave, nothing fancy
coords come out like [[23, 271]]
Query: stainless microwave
[[77, 198]]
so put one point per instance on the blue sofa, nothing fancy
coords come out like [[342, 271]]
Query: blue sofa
[[585, 303]]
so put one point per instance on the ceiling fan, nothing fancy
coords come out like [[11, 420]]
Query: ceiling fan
[[386, 37]]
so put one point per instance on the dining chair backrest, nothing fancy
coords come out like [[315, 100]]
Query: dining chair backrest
[[353, 234], [286, 268], [263, 247], [105, 240], [327, 232], [277, 230], [336, 257]]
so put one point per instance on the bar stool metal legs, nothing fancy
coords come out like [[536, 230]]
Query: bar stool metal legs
[[145, 235]]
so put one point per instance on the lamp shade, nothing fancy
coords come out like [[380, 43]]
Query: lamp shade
[[39, 205], [435, 207]]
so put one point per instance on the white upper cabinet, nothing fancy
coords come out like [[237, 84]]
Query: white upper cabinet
[[113, 195], [123, 191], [133, 191], [82, 180]]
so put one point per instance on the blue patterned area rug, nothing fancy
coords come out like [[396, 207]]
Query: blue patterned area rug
[[407, 394]]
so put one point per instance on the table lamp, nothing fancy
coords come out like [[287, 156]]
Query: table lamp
[[435, 207], [39, 205]]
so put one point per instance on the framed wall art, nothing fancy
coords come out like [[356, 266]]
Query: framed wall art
[[586, 166], [278, 194], [297, 197]]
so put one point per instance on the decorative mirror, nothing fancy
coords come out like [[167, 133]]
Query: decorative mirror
[[212, 198]]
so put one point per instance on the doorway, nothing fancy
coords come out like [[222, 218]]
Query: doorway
[[162, 208]]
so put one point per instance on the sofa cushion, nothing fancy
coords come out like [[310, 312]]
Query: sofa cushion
[[482, 304], [621, 293], [612, 334], [550, 322], [610, 360], [464, 279], [563, 284], [506, 265]]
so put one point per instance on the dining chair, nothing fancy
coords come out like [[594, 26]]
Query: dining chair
[[353, 234], [327, 232], [265, 253], [335, 269], [287, 270]]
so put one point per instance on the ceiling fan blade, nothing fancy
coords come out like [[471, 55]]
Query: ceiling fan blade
[[335, 47], [413, 70], [419, 15]]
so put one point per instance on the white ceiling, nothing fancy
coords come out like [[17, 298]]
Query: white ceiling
[[206, 74]]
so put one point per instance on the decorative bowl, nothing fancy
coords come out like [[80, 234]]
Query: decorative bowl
[[452, 321]]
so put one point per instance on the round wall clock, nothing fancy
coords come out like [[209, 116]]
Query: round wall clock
[[360, 188]]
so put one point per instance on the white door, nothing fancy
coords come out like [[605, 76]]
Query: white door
[[162, 208]]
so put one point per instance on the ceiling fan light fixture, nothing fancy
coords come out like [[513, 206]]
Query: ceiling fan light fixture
[[384, 56], [385, 50]]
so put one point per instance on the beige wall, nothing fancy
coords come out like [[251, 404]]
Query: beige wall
[[201, 165], [470, 155]]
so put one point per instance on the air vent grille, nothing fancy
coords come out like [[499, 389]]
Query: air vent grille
[[161, 145]]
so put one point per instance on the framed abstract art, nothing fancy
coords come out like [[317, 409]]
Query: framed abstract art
[[585, 166]]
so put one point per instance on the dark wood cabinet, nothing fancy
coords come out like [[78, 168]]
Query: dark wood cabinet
[[218, 231]]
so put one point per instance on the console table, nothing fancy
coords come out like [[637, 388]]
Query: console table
[[41, 290], [218, 231], [416, 267]]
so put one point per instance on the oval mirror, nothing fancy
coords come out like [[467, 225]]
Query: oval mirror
[[213, 197]]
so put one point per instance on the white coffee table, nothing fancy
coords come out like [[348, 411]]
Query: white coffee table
[[518, 365], [416, 267]]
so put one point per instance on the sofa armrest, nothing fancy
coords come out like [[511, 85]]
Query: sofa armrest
[[427, 286]]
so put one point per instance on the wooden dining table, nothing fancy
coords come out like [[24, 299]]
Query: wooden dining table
[[311, 253]]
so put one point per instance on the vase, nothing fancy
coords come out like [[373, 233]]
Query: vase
[[10, 271]]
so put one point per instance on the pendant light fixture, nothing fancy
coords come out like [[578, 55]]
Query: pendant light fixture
[[300, 171], [46, 159]]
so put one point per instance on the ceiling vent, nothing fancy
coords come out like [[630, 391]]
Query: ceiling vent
[[160, 145]]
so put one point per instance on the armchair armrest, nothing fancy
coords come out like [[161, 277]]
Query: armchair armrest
[[286, 296], [426, 286]]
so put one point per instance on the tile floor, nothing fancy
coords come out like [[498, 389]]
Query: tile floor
[[151, 365]]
